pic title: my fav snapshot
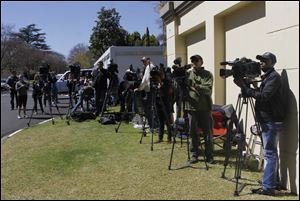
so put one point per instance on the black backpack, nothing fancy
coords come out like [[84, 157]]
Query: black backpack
[[82, 116]]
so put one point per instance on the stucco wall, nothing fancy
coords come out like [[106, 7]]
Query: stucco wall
[[227, 30]]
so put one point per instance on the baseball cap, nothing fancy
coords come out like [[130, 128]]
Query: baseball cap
[[145, 58], [196, 57], [267, 56]]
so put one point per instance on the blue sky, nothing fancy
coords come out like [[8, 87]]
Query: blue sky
[[67, 23]]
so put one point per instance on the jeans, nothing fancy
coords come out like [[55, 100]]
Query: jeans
[[270, 136]]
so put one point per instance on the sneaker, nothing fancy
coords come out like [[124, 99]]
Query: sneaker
[[35, 113], [262, 191], [194, 160], [19, 117]]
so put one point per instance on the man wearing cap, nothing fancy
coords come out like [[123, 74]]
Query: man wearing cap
[[199, 84], [267, 105], [145, 86]]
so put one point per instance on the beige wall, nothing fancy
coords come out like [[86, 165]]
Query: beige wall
[[224, 30]]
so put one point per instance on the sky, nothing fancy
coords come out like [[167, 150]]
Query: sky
[[67, 23]]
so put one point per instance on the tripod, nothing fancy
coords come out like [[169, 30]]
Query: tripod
[[72, 95], [107, 94], [48, 95], [155, 93], [186, 128], [128, 99], [239, 136]]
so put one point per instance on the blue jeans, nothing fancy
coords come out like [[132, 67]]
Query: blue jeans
[[270, 136]]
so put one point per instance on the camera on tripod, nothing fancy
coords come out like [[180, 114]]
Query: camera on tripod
[[241, 69], [75, 70], [178, 70], [112, 68]]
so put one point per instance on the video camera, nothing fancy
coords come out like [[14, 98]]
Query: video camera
[[178, 70], [241, 69], [75, 70], [112, 68], [130, 76]]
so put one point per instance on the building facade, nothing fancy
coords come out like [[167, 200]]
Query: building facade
[[126, 56], [226, 30]]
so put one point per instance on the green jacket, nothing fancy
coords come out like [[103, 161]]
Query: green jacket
[[199, 87]]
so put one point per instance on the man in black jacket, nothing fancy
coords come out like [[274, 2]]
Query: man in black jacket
[[11, 82], [269, 111], [100, 85]]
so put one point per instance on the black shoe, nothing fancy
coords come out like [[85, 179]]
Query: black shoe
[[194, 160], [261, 191]]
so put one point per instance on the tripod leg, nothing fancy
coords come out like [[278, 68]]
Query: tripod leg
[[28, 124], [172, 151], [143, 129], [50, 108], [58, 111]]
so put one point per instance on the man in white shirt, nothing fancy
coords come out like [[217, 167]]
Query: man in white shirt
[[145, 86]]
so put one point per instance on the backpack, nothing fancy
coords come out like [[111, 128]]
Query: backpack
[[106, 120], [82, 116]]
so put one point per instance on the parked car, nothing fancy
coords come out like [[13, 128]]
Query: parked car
[[62, 81], [4, 86]]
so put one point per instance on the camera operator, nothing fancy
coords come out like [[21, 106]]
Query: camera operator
[[145, 86], [71, 84], [11, 82], [199, 84], [165, 103], [125, 91], [54, 89], [100, 76], [268, 110], [37, 92]]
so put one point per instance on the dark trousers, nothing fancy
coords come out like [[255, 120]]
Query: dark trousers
[[13, 95], [36, 99], [99, 99], [203, 120], [164, 116]]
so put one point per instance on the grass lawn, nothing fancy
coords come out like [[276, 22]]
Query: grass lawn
[[90, 161]]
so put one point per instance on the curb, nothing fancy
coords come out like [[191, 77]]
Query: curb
[[3, 140]]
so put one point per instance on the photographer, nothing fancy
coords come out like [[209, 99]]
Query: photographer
[[11, 82], [100, 76], [269, 110], [37, 92], [199, 84]]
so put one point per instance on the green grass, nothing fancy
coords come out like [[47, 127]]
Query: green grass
[[90, 161]]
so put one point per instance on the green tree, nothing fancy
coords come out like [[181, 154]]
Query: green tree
[[81, 53], [107, 32], [32, 36], [135, 39], [146, 38]]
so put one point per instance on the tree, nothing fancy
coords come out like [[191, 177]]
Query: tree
[[107, 32], [32, 36], [146, 38], [80, 53]]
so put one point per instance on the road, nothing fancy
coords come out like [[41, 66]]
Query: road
[[9, 121]]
